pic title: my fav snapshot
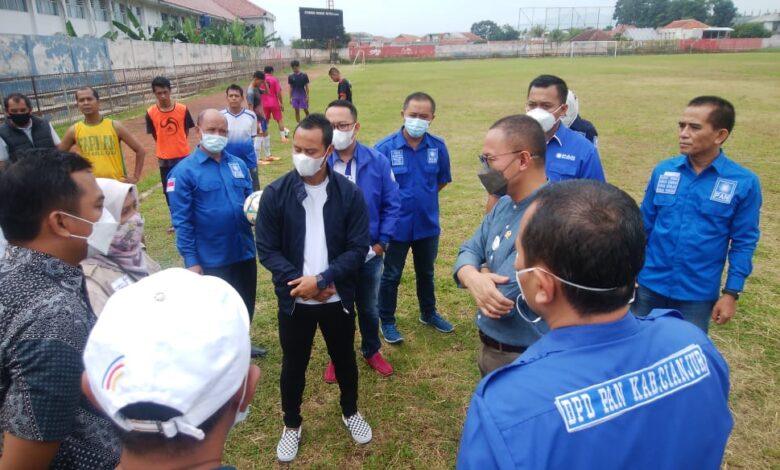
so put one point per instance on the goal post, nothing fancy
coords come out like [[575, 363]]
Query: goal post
[[593, 48], [360, 58]]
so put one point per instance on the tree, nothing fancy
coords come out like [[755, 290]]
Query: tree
[[556, 35], [536, 31], [508, 33], [642, 13], [722, 13], [487, 30], [750, 30], [684, 9]]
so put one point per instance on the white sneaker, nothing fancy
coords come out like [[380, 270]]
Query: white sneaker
[[359, 428], [287, 448]]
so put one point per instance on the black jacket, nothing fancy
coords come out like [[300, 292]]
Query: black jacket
[[17, 140], [281, 231]]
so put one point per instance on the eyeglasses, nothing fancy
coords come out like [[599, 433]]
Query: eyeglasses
[[344, 126], [491, 158]]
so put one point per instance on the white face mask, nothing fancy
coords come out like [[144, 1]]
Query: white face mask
[[99, 240], [342, 139], [242, 415], [307, 166], [545, 118]]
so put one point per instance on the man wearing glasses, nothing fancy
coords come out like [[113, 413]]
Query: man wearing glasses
[[513, 158], [370, 170]]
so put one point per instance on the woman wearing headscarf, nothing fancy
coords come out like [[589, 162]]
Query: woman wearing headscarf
[[126, 261]]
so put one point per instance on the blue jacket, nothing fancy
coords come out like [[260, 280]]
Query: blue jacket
[[694, 222], [281, 232], [375, 180], [647, 393], [207, 210]]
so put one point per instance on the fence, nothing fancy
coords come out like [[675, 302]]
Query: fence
[[53, 96]]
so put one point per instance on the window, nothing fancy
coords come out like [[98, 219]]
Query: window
[[76, 8], [100, 7], [47, 7], [18, 5], [120, 12]]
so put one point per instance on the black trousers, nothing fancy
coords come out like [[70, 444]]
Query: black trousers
[[296, 335], [164, 171], [243, 277]]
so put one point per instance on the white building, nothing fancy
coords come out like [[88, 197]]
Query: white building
[[94, 17], [683, 29]]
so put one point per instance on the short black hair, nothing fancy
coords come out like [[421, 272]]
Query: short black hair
[[589, 233], [420, 96], [295, 63], [161, 82], [259, 75], [318, 121], [16, 97], [84, 88], [722, 115], [546, 81], [268, 69], [333, 69], [39, 182], [344, 104], [524, 132], [235, 87], [141, 443]]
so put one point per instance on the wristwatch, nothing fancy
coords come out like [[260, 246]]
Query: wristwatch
[[321, 282], [731, 292]]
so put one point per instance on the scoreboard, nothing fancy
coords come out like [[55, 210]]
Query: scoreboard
[[321, 24]]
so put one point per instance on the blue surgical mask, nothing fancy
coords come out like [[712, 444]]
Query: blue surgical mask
[[416, 127], [213, 143]]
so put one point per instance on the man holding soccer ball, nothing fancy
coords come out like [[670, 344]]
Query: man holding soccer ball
[[207, 194]]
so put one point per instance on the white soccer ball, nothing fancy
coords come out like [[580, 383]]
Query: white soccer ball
[[251, 205]]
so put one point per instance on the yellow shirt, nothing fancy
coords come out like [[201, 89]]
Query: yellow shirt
[[100, 145]]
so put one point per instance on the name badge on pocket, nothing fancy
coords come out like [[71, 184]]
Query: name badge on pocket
[[121, 283], [397, 158], [433, 156], [667, 183], [235, 169]]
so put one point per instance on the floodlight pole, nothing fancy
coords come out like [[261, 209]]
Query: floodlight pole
[[331, 42]]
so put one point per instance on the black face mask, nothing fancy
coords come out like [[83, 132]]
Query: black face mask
[[20, 120], [493, 180]]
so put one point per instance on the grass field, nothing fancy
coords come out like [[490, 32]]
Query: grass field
[[635, 102]]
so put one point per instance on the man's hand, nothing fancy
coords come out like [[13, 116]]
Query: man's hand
[[378, 249], [482, 286], [724, 309], [130, 179], [304, 287], [197, 269], [326, 293]]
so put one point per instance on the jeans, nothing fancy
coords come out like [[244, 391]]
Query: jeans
[[296, 335], [697, 312], [424, 252], [366, 293], [242, 276]]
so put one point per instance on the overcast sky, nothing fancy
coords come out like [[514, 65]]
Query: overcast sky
[[393, 17]]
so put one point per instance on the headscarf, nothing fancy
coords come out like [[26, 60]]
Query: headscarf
[[126, 248]]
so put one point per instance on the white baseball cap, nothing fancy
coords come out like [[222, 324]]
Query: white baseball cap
[[175, 339]]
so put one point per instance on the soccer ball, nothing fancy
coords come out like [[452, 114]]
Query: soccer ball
[[251, 205]]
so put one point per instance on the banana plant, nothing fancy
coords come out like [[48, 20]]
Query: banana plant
[[70, 29], [138, 34]]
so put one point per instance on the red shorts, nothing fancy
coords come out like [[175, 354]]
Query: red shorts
[[276, 112]]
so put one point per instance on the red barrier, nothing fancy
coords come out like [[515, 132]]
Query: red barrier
[[713, 45], [385, 51]]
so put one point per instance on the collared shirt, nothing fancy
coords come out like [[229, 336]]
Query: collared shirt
[[693, 222], [207, 209], [46, 320], [371, 171], [571, 156], [494, 243], [242, 128], [635, 393], [419, 172]]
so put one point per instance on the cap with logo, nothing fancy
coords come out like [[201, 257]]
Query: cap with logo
[[174, 339]]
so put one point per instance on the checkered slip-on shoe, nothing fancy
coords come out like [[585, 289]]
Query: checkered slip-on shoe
[[359, 428], [288, 444]]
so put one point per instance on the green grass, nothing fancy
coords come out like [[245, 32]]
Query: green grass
[[635, 102]]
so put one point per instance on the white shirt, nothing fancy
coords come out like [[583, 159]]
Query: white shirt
[[3, 244], [242, 126], [28, 132], [315, 248], [340, 167]]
